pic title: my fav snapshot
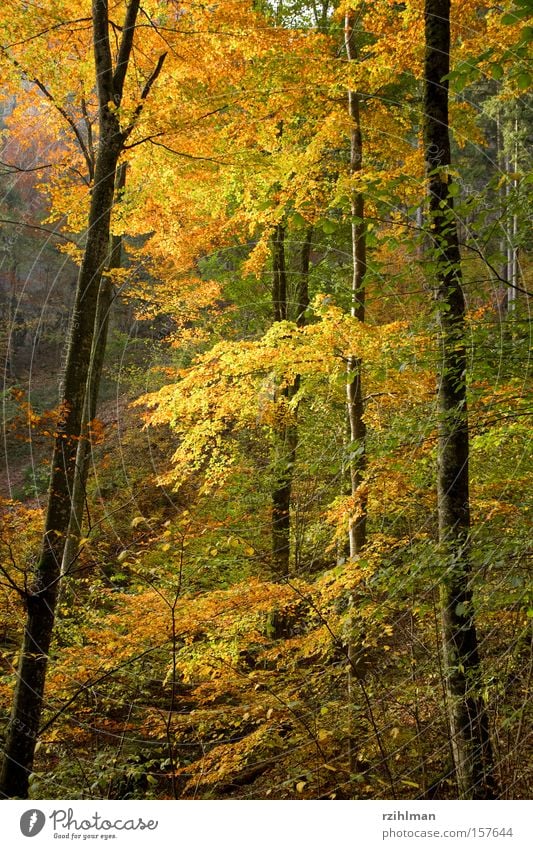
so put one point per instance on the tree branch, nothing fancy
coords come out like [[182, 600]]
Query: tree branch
[[124, 52], [38, 227], [102, 52], [62, 111], [18, 168], [494, 271], [144, 94], [181, 153], [11, 583], [98, 680], [51, 28]]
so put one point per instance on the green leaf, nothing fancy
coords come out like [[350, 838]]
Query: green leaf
[[298, 220], [523, 11]]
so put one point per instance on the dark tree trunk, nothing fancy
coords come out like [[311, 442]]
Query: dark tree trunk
[[83, 454], [284, 444], [279, 273], [354, 388], [281, 499], [467, 715], [23, 729], [302, 294], [286, 437]]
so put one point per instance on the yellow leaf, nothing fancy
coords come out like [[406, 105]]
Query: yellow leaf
[[300, 786], [138, 520]]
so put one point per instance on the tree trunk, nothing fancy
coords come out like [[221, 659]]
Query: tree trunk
[[467, 716], [286, 440], [83, 454], [513, 237], [279, 274], [286, 437], [354, 388], [23, 729]]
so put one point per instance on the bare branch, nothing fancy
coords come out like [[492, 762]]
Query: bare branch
[[18, 168], [11, 583], [38, 227], [494, 271]]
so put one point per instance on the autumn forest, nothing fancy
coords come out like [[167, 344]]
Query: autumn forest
[[265, 290]]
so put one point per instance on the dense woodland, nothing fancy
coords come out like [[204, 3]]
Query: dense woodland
[[265, 328]]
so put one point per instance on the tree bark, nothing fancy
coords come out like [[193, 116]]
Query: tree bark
[[83, 454], [467, 715], [23, 729], [286, 437], [279, 272], [354, 388]]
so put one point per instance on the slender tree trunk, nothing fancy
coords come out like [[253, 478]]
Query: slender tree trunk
[[283, 445], [279, 274], [467, 715], [354, 388], [513, 240], [281, 499], [503, 196], [83, 454], [286, 437], [23, 729], [302, 294]]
